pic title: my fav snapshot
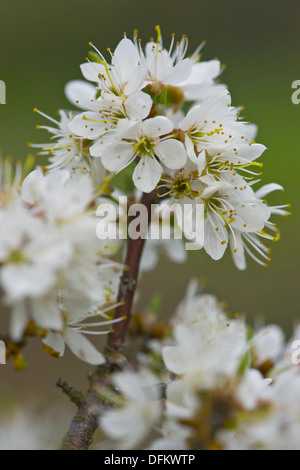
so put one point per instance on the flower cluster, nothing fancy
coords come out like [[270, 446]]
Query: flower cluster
[[152, 124], [163, 118], [226, 386], [54, 271]]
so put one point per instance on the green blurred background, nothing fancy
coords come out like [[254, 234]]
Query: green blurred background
[[42, 45]]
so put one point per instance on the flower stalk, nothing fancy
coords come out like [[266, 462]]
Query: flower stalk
[[85, 422]]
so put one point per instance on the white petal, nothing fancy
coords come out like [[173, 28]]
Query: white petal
[[180, 72], [138, 105], [23, 281], [253, 388], [87, 125], [128, 129], [18, 321], [268, 188], [215, 241], [172, 153], [154, 127], [98, 148], [174, 360], [147, 174], [126, 58], [56, 342], [80, 93], [136, 81], [251, 152], [82, 347], [130, 425], [237, 250], [91, 70], [117, 156], [268, 343], [46, 314]]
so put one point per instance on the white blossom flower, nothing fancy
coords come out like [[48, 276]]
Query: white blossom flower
[[198, 362], [64, 146], [145, 141], [202, 311], [123, 77], [162, 66], [278, 428], [214, 123], [100, 121], [130, 425], [49, 248], [201, 84], [252, 243]]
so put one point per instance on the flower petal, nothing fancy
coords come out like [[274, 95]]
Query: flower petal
[[180, 72], [138, 105], [56, 342], [147, 174], [172, 153], [125, 58], [215, 236], [91, 70], [82, 347], [87, 125], [154, 127], [117, 156], [80, 93]]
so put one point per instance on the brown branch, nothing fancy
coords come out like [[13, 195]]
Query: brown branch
[[75, 395], [84, 424], [129, 281]]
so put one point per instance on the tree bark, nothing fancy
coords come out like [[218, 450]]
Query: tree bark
[[85, 422]]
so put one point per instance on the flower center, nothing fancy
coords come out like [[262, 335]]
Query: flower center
[[16, 257], [181, 186], [143, 147]]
